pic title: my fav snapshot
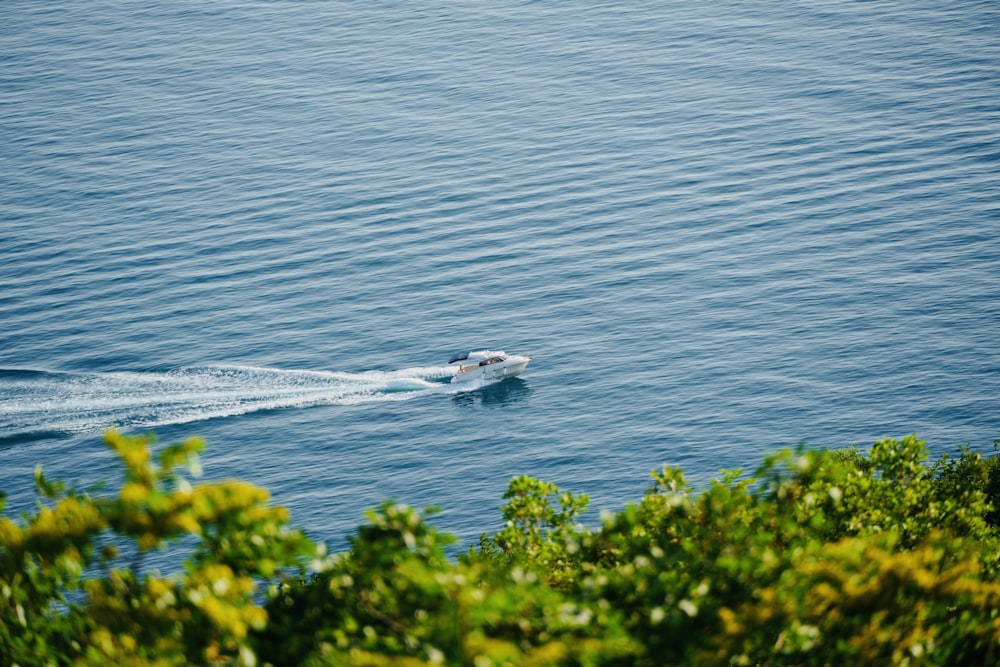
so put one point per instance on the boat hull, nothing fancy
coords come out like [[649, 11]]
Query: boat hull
[[512, 366]]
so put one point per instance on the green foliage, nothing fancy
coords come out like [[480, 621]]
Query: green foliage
[[818, 558], [960, 478], [535, 531], [395, 599], [68, 597]]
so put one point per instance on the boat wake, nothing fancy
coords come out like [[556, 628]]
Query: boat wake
[[35, 404]]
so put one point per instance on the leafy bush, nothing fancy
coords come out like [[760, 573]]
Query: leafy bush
[[819, 558], [67, 595]]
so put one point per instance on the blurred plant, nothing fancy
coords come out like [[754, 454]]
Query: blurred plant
[[66, 598], [819, 558]]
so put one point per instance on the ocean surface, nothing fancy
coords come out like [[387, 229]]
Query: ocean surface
[[718, 229]]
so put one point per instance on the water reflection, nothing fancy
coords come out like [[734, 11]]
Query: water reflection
[[511, 390]]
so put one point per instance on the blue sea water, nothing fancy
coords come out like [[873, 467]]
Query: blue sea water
[[718, 229]]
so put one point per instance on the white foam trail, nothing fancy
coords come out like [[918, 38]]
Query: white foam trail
[[93, 402]]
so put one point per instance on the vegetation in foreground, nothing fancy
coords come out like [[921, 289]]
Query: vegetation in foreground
[[820, 558]]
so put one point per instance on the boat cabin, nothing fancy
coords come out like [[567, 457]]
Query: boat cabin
[[476, 359]]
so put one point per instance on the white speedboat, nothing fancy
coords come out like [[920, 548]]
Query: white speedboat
[[487, 365]]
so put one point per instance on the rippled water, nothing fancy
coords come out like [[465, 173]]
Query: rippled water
[[717, 228]]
